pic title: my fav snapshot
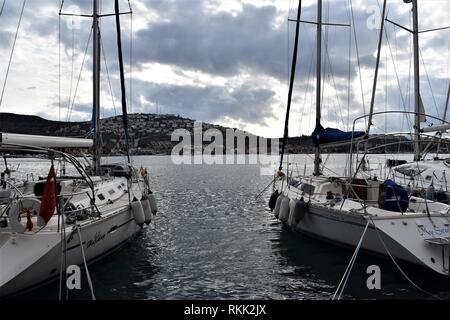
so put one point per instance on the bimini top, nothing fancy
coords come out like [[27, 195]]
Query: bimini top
[[329, 135], [13, 139]]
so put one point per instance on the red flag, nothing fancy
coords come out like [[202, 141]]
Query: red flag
[[48, 204]]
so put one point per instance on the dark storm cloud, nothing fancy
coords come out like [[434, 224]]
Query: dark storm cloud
[[218, 43]]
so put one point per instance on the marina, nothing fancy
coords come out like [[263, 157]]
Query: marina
[[233, 252], [315, 170]]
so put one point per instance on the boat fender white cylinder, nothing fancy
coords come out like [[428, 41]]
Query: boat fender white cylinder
[[291, 219], [276, 211], [138, 212], [284, 209], [301, 208], [24, 205], [147, 210], [153, 204]]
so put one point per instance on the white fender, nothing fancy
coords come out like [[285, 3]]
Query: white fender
[[153, 205], [284, 209], [138, 212], [147, 210], [23, 205], [291, 220], [276, 211]]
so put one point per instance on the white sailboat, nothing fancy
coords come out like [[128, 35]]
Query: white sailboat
[[425, 176], [80, 213], [377, 216]]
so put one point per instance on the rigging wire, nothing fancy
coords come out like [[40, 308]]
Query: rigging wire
[[73, 61], [108, 77], [398, 79], [429, 82], [12, 52], [131, 57], [359, 62], [331, 76], [72, 103], [3, 6], [349, 71], [59, 64], [308, 85]]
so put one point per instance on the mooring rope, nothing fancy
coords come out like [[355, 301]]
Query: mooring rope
[[343, 282], [85, 264], [397, 265]]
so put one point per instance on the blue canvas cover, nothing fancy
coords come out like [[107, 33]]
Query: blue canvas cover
[[329, 135], [397, 199]]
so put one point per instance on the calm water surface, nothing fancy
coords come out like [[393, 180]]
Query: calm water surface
[[213, 240]]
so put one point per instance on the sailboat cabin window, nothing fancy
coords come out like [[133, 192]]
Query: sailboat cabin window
[[101, 197], [307, 188], [111, 192]]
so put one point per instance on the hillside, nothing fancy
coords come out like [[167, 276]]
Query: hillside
[[150, 134]]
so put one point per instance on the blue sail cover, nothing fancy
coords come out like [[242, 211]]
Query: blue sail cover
[[329, 135], [397, 198]]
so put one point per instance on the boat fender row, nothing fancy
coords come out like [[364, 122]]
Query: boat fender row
[[290, 211], [29, 206], [138, 212]]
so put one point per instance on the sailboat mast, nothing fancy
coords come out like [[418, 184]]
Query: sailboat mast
[[416, 81], [291, 84], [377, 66], [96, 88], [317, 159]]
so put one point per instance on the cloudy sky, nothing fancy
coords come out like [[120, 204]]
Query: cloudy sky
[[224, 61]]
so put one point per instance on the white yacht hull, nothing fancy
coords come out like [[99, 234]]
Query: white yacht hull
[[414, 237], [100, 237], [347, 232]]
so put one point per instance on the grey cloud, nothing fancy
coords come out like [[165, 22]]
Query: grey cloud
[[211, 103]]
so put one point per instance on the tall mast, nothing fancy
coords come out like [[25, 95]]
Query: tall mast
[[416, 81], [291, 84], [377, 65], [317, 159], [96, 88]]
